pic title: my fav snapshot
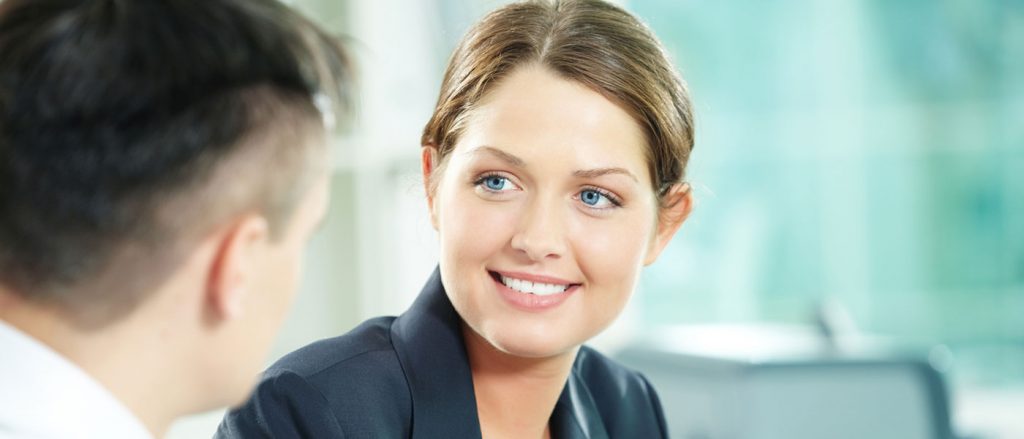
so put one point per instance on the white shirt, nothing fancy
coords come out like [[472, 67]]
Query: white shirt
[[45, 396]]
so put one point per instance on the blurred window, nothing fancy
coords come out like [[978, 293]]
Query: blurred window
[[868, 152]]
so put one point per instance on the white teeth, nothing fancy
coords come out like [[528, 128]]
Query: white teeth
[[537, 288]]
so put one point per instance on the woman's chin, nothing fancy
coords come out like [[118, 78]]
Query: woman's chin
[[532, 346]]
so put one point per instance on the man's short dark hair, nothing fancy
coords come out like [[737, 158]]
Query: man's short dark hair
[[127, 127]]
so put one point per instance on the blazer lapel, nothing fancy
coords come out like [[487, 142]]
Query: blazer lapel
[[576, 415], [429, 345]]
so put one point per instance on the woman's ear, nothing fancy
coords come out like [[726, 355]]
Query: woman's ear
[[675, 208], [429, 158], [234, 265]]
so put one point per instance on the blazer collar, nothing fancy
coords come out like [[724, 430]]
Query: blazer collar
[[576, 415], [428, 342]]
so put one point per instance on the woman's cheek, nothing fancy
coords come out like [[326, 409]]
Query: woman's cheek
[[477, 228], [611, 245]]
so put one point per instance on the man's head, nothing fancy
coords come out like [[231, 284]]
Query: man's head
[[149, 146]]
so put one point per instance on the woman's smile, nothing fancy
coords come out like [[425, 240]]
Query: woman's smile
[[534, 293]]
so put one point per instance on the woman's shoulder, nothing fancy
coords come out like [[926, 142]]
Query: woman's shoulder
[[353, 382], [360, 365], [597, 370], [350, 349], [625, 399]]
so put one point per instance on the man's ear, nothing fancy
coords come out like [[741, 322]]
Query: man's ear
[[678, 203], [429, 159], [235, 264]]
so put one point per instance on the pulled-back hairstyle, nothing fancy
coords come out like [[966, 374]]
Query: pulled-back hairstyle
[[591, 42], [128, 128]]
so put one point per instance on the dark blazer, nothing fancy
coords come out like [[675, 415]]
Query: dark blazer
[[409, 377]]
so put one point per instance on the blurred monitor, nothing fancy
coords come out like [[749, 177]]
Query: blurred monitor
[[787, 396]]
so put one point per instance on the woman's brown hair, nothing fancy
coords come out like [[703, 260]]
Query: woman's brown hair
[[590, 42]]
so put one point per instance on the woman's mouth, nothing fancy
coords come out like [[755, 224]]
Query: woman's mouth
[[532, 292], [540, 289]]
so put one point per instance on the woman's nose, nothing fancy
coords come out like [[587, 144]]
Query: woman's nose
[[541, 231]]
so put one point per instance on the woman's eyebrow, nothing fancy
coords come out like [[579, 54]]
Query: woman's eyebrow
[[597, 172], [520, 163], [501, 155]]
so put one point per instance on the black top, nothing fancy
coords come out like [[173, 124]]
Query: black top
[[409, 377]]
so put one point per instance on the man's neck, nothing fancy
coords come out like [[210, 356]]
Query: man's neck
[[113, 356], [515, 396]]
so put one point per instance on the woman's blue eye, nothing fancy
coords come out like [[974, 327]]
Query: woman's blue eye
[[495, 183], [594, 198]]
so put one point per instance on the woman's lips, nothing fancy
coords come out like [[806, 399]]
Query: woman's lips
[[531, 292]]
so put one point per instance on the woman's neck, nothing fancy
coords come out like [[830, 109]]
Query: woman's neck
[[515, 396]]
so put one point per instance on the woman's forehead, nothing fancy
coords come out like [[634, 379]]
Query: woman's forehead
[[535, 115]]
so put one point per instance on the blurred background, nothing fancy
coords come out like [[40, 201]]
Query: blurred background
[[859, 171]]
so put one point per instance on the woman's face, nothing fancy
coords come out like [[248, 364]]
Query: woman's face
[[545, 213]]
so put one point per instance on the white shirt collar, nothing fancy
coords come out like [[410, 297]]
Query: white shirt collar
[[46, 396]]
